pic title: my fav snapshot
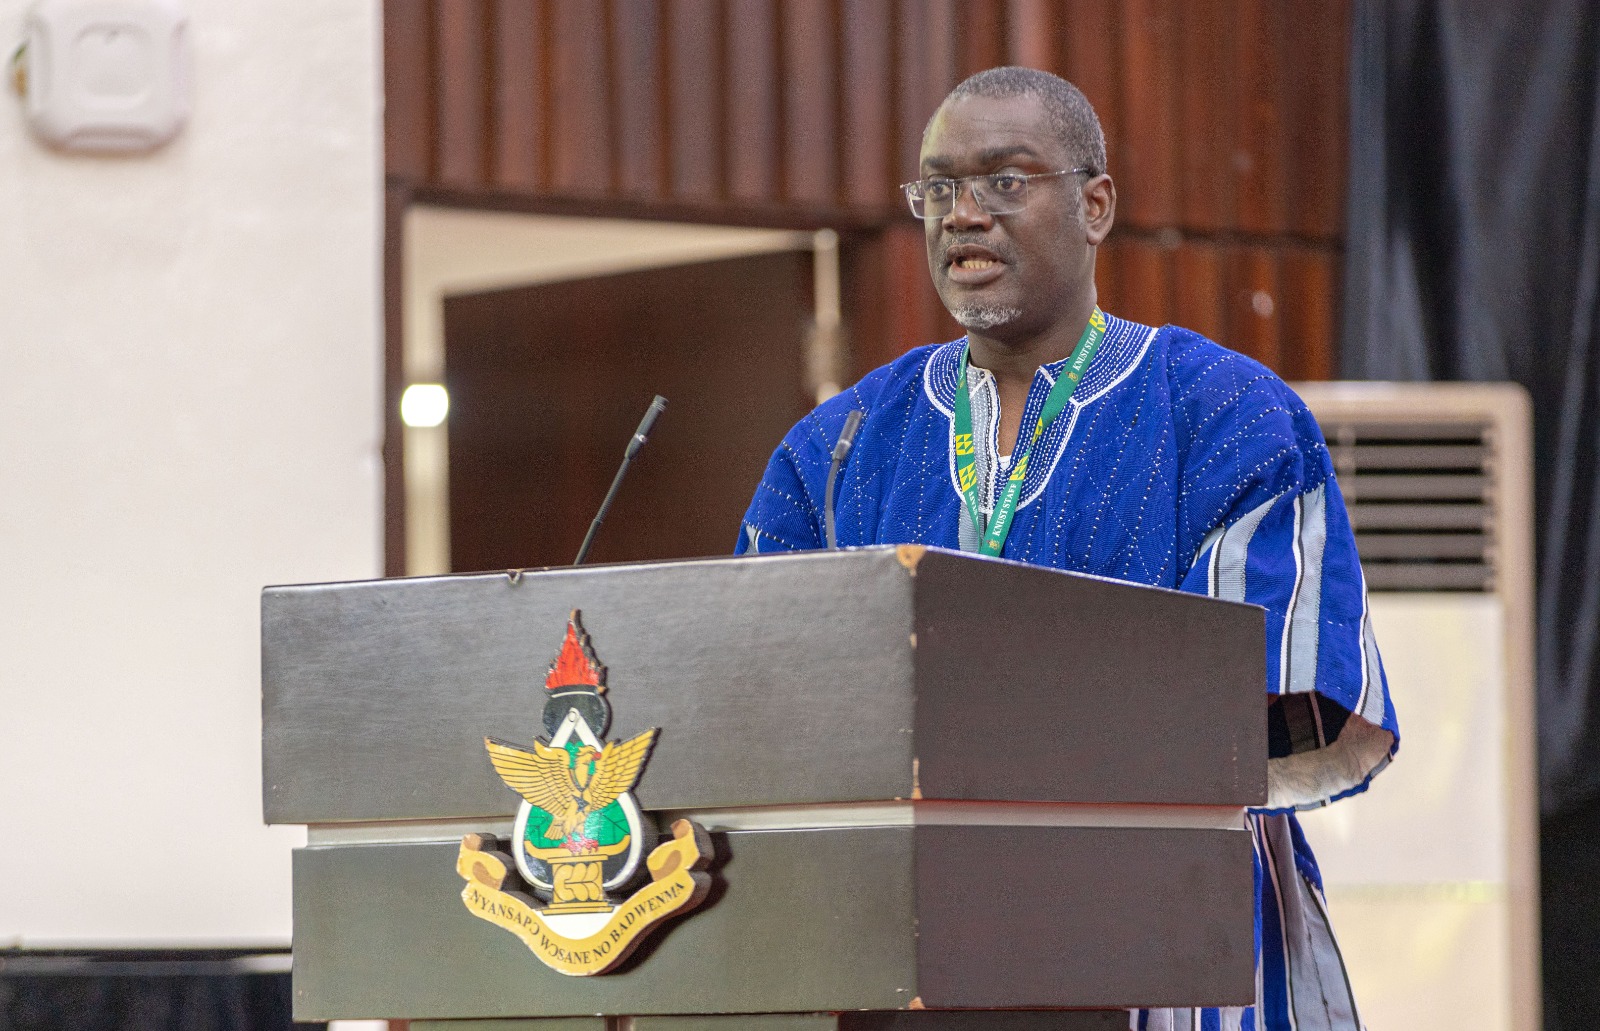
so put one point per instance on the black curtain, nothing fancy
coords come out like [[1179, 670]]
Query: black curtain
[[1473, 253]]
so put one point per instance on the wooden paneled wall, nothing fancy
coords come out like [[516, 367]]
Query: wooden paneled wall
[[1225, 122]]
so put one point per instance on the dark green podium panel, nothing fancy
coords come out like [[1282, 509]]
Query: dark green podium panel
[[937, 784], [869, 918], [777, 680]]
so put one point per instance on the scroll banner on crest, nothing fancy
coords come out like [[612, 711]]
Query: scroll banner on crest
[[676, 885]]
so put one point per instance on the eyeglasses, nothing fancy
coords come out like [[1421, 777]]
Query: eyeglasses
[[1002, 193]]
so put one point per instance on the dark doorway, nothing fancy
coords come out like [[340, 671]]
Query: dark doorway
[[547, 384]]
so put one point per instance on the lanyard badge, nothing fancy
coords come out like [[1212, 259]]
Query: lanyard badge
[[993, 539]]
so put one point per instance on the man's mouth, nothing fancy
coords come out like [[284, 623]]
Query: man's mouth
[[972, 265]]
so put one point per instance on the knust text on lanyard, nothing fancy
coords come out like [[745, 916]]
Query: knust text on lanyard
[[994, 539]]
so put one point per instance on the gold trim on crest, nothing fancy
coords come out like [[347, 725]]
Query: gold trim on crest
[[677, 885]]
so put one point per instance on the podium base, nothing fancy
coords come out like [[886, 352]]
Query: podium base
[[895, 1020]]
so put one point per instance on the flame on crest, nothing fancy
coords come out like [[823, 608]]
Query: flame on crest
[[576, 665]]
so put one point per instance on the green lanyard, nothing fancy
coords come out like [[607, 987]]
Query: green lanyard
[[966, 456]]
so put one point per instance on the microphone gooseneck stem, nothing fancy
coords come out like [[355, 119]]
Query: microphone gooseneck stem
[[841, 449], [605, 506], [827, 507], [636, 442]]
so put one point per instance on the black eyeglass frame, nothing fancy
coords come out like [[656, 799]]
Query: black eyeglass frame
[[916, 192]]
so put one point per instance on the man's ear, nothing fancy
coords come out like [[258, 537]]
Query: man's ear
[[1099, 207]]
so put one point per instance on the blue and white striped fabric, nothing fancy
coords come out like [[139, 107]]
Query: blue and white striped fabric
[[1178, 464]]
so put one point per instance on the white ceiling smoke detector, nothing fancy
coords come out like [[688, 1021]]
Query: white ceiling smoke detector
[[105, 75]]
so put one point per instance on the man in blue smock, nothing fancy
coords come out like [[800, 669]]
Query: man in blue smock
[[1059, 435]]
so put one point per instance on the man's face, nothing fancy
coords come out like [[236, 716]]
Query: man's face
[[1010, 277]]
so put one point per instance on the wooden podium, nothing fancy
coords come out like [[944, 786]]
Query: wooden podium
[[935, 784]]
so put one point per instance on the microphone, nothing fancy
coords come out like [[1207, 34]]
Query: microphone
[[640, 435], [841, 449]]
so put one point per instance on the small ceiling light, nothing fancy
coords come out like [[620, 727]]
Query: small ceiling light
[[424, 405]]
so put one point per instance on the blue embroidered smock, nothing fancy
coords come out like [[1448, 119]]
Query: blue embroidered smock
[[1180, 464]]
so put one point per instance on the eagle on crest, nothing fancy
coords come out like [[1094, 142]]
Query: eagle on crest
[[570, 786]]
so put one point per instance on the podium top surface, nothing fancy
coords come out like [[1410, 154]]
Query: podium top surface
[[809, 678]]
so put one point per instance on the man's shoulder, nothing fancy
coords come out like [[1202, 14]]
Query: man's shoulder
[[910, 366], [1204, 372], [1227, 403]]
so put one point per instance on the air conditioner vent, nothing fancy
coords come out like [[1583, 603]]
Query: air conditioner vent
[[1421, 499], [1441, 857]]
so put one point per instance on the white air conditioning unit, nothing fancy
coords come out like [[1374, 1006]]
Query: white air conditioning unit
[[1432, 875]]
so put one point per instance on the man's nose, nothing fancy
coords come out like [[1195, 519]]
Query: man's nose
[[965, 209]]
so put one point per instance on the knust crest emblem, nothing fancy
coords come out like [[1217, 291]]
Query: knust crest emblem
[[579, 836]]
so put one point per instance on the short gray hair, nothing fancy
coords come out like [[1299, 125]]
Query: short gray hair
[[1072, 117]]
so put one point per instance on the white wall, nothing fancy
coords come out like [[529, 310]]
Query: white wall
[[189, 410]]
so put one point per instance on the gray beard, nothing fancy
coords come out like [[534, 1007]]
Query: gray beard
[[980, 317]]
